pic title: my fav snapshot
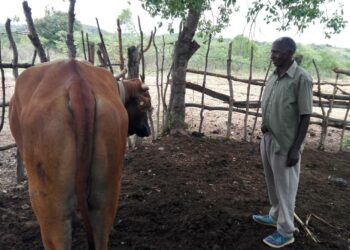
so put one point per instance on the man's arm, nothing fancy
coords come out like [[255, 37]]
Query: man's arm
[[293, 154]]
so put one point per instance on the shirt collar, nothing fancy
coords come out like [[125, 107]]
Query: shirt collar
[[291, 70]]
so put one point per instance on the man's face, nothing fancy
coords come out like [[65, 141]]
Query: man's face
[[279, 55]]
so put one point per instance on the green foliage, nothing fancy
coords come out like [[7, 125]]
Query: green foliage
[[300, 14], [170, 9], [52, 29], [126, 23]]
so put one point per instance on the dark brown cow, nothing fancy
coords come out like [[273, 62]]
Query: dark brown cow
[[71, 128]]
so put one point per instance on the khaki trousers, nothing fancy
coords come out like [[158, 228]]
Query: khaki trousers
[[282, 186]]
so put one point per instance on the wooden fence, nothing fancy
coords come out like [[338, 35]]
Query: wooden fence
[[338, 99]]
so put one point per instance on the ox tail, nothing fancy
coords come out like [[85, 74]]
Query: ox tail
[[83, 107]]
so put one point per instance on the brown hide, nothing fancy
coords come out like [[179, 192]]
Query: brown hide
[[71, 129]]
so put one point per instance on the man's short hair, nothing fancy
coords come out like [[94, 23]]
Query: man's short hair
[[287, 43]]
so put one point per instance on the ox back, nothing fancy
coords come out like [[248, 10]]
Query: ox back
[[71, 128]]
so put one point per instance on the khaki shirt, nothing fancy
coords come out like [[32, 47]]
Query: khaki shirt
[[284, 100]]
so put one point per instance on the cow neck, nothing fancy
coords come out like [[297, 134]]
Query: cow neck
[[130, 90], [121, 91]]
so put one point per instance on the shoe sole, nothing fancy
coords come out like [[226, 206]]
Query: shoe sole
[[279, 246], [262, 223]]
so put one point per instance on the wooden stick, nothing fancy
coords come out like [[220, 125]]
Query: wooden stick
[[307, 230], [248, 93], [3, 91], [83, 43], [203, 86], [120, 42], [2, 148], [161, 82], [33, 36], [104, 49], [342, 71], [231, 100], [260, 96], [72, 51], [14, 48], [157, 82], [343, 129], [141, 52]]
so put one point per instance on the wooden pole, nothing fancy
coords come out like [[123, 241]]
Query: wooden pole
[[142, 52], [33, 36], [14, 48], [248, 93], [3, 91], [343, 129], [72, 51], [84, 46], [120, 42], [260, 96], [157, 82], [230, 104], [203, 86], [104, 49]]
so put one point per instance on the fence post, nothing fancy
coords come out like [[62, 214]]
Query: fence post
[[230, 103]]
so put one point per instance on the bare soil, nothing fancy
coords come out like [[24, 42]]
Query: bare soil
[[188, 192]]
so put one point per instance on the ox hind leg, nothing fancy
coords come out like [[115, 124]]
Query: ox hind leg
[[105, 180], [51, 173], [103, 197]]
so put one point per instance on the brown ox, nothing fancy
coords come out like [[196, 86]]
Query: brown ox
[[71, 128]]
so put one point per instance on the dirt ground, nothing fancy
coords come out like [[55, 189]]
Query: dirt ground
[[186, 192]]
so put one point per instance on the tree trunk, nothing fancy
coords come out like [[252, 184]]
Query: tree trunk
[[185, 47]]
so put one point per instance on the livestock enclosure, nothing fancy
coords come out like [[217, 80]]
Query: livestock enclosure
[[195, 191]]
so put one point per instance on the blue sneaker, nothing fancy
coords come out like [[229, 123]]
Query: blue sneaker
[[264, 220], [276, 240]]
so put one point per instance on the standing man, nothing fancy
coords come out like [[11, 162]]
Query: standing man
[[286, 109]]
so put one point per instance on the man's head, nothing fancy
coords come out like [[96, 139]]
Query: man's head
[[282, 51]]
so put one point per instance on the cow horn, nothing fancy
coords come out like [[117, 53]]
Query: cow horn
[[144, 87]]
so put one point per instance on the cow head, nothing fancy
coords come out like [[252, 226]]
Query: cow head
[[138, 105]]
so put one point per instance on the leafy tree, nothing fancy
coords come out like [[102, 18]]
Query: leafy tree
[[289, 13], [125, 19], [52, 29]]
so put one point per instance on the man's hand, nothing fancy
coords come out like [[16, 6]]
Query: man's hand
[[293, 157]]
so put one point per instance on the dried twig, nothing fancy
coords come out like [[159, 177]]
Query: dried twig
[[307, 230]]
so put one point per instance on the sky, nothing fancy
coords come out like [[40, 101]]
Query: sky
[[107, 12]]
